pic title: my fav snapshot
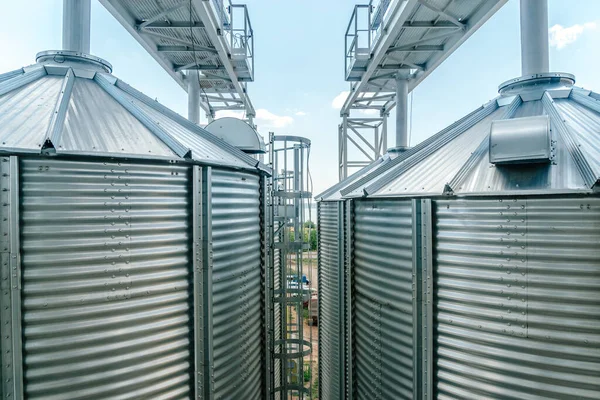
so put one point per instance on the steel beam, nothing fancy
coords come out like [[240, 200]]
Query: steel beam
[[186, 48], [116, 9], [160, 15], [483, 13], [430, 24], [173, 25], [192, 47], [447, 16], [418, 44], [213, 31], [193, 96], [399, 14]]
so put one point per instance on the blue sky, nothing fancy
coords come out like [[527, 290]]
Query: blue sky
[[299, 63]]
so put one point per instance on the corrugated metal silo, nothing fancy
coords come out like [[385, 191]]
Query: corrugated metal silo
[[133, 246], [475, 257]]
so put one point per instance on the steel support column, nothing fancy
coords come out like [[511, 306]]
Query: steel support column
[[401, 113], [76, 25], [534, 37], [193, 82], [367, 135]]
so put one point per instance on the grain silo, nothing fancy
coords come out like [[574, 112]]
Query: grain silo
[[472, 260], [133, 242]]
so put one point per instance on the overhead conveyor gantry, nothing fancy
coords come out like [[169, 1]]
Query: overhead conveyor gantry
[[391, 46], [207, 46]]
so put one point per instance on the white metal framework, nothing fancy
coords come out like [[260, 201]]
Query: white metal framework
[[390, 41], [290, 193], [213, 37]]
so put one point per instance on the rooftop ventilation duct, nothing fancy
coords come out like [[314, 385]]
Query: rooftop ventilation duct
[[238, 134], [520, 140]]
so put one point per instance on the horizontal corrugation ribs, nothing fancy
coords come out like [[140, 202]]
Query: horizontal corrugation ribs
[[277, 284], [106, 298], [330, 311], [237, 319], [517, 298], [383, 299]]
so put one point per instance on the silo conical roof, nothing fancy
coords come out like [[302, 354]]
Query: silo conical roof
[[70, 103], [456, 160]]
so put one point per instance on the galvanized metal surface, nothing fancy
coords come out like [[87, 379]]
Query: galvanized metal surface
[[356, 189], [25, 113], [520, 140], [332, 342], [455, 154], [11, 74], [204, 146], [79, 111], [584, 122], [185, 35], [236, 286], [418, 176], [11, 368], [278, 282], [382, 319], [96, 123], [347, 296], [517, 298], [106, 279]]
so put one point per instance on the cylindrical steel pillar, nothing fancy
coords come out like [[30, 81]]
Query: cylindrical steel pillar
[[534, 37], [401, 113], [76, 25], [193, 83]]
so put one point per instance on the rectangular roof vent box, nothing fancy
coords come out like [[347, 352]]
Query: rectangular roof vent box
[[520, 140]]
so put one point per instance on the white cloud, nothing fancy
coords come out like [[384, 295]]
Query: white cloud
[[300, 113], [339, 100], [561, 36], [264, 118], [267, 118], [370, 111], [229, 113]]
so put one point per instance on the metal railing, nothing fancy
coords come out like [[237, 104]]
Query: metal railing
[[364, 30], [237, 30]]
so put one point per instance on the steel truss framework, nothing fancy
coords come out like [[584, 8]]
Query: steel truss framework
[[390, 40], [213, 37], [367, 135]]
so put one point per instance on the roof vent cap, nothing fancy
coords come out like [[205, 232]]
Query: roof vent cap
[[520, 140], [237, 133]]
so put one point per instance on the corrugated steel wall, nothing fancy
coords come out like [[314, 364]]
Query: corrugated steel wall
[[331, 302], [236, 281], [383, 303], [277, 285], [106, 280], [517, 298]]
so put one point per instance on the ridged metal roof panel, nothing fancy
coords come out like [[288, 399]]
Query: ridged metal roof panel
[[95, 122], [57, 108], [204, 146], [456, 160], [584, 123], [431, 174], [25, 113]]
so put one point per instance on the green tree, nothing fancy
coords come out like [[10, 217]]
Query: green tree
[[313, 239], [309, 225]]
